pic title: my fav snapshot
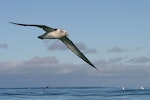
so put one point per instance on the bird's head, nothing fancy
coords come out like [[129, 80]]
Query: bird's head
[[66, 33]]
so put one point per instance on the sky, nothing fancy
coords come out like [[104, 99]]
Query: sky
[[113, 35]]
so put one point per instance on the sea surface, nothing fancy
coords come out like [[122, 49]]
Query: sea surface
[[74, 93]]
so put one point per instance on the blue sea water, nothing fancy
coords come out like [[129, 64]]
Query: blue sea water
[[73, 93]]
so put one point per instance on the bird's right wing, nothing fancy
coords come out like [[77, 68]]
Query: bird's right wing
[[72, 47], [44, 27]]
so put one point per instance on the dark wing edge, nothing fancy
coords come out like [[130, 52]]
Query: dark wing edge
[[44, 27], [73, 48]]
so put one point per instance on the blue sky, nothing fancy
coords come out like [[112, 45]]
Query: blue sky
[[113, 34]]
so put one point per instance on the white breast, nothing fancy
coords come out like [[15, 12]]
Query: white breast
[[55, 34]]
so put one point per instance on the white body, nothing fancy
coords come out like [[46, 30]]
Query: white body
[[54, 35]]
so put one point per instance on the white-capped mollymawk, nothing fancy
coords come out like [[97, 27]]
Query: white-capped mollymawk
[[54, 33]]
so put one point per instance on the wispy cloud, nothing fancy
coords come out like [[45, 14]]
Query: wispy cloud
[[139, 60], [121, 49], [117, 50], [3, 46], [60, 46], [117, 60]]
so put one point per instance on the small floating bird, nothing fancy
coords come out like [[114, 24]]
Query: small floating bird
[[142, 88], [54, 33], [123, 88]]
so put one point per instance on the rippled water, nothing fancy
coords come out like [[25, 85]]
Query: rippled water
[[73, 93]]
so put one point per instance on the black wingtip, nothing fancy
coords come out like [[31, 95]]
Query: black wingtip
[[18, 24], [96, 68], [14, 23]]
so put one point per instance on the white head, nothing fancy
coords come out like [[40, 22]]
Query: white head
[[64, 32]]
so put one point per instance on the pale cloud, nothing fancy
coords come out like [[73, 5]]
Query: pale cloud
[[44, 70], [139, 60], [9, 67], [38, 60], [119, 68], [117, 60], [111, 61], [3, 46], [60, 46], [117, 50], [66, 71], [37, 65], [51, 65], [121, 49], [139, 48]]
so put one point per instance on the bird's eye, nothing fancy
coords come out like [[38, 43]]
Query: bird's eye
[[61, 31]]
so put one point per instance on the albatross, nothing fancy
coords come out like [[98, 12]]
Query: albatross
[[55, 33]]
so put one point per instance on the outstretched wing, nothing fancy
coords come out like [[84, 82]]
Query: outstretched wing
[[44, 27], [72, 47]]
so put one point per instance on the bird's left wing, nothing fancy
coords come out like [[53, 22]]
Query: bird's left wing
[[72, 47], [44, 27]]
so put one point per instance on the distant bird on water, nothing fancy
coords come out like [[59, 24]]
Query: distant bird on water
[[54, 33]]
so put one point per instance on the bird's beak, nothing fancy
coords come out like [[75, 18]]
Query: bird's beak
[[40, 37], [67, 34]]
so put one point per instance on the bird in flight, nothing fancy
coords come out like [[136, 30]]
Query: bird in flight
[[54, 33]]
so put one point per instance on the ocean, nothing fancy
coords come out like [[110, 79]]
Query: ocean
[[74, 93]]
